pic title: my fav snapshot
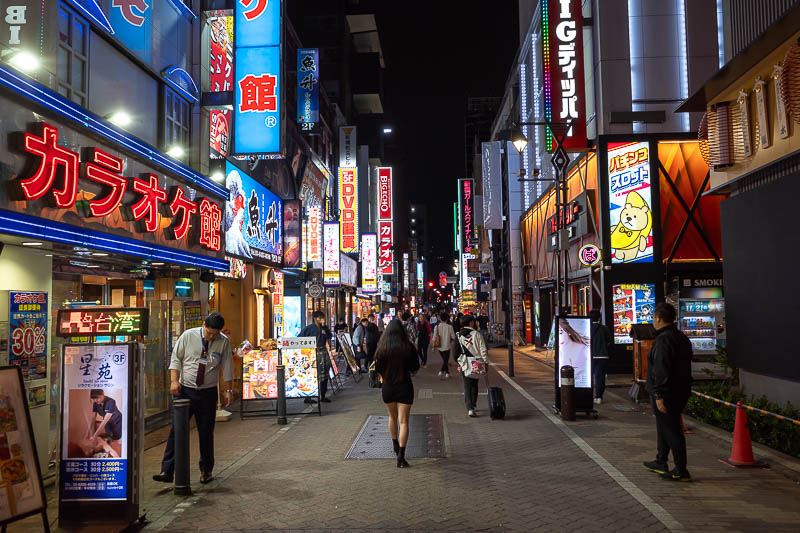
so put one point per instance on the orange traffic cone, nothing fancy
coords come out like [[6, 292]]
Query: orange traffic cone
[[742, 449], [686, 431]]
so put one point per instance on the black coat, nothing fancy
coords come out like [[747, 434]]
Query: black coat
[[669, 365]]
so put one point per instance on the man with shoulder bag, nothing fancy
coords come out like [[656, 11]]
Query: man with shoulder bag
[[472, 358]]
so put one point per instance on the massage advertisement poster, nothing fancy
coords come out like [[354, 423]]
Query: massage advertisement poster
[[575, 349], [94, 440], [630, 202]]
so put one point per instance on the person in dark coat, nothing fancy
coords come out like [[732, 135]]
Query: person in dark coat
[[601, 350], [669, 383]]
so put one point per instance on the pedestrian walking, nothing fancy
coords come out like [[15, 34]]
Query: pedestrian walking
[[359, 344], [395, 361], [443, 338], [200, 360], [471, 344], [601, 351], [321, 333], [371, 337], [411, 328], [423, 338], [669, 383]]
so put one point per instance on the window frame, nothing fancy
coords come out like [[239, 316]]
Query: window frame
[[169, 124], [69, 48]]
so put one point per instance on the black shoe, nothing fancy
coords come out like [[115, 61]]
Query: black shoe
[[206, 477], [326, 400], [163, 477], [402, 463], [309, 400], [677, 475], [655, 466]]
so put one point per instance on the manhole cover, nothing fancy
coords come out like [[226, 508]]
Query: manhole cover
[[425, 438]]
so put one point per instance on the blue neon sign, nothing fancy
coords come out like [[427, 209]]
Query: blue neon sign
[[308, 88]]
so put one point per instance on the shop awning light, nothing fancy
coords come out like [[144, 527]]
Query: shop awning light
[[32, 243], [176, 151], [219, 177], [24, 61], [120, 118], [157, 264], [99, 254]]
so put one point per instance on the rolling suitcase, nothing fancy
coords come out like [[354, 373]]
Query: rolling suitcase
[[497, 402]]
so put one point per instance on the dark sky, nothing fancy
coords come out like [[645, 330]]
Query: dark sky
[[437, 54]]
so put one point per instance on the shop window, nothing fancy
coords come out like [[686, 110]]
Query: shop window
[[73, 56], [177, 120]]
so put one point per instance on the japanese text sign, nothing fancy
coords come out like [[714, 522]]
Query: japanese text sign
[[467, 217], [313, 234], [630, 203], [589, 255], [219, 127], [347, 146], [348, 208], [565, 101], [102, 321], [330, 267], [492, 195], [258, 23], [220, 37], [95, 411], [385, 193], [259, 373], [348, 268], [277, 305], [131, 20], [253, 219], [308, 88], [385, 247], [27, 333], [369, 263], [292, 245]]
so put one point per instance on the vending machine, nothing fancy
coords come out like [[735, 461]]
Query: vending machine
[[701, 314]]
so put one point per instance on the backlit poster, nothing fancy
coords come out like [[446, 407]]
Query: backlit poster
[[220, 54], [348, 209], [369, 263], [291, 316], [253, 221], [630, 206], [292, 220], [259, 375], [348, 271], [634, 303], [27, 333], [312, 236], [575, 349], [94, 439], [219, 124], [308, 89], [330, 266], [277, 305]]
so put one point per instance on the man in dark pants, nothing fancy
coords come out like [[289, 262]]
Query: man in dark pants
[[601, 349], [200, 360], [317, 330], [669, 383], [371, 336]]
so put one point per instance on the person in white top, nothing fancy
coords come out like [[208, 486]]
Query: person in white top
[[443, 336], [470, 344]]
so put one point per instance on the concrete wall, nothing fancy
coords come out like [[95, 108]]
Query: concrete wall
[[777, 390]]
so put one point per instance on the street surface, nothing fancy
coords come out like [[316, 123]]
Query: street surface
[[529, 472]]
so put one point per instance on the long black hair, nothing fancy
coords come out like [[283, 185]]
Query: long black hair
[[392, 351]]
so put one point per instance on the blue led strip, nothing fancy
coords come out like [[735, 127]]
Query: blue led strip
[[49, 230], [183, 9], [55, 102]]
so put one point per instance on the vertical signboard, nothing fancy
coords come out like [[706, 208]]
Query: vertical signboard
[[308, 89], [348, 209], [369, 263], [219, 129], [385, 243], [406, 274], [291, 234], [220, 53], [466, 216], [330, 268], [420, 276], [492, 195], [385, 193], [277, 305], [95, 414], [347, 147], [564, 94], [257, 86], [629, 199], [27, 333], [313, 234]]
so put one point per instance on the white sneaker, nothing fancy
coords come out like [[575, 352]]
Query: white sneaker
[[471, 412], [440, 373], [598, 401], [446, 376]]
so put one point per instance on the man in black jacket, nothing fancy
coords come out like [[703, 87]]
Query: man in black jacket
[[669, 383], [601, 350]]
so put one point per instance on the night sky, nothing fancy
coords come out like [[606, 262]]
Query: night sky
[[436, 56]]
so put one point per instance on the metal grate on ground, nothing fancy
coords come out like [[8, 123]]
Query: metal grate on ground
[[425, 438]]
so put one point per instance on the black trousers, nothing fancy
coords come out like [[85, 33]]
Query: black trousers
[[445, 361], [470, 392], [669, 433], [203, 406], [423, 352]]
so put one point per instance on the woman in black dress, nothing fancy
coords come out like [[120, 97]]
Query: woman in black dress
[[395, 361]]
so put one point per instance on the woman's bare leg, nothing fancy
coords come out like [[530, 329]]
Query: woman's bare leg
[[392, 409], [403, 412]]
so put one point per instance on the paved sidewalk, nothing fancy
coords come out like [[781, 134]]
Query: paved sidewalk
[[530, 472]]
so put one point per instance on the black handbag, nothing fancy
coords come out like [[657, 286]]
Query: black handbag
[[374, 377]]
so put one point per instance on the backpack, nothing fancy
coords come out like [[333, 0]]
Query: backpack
[[411, 331]]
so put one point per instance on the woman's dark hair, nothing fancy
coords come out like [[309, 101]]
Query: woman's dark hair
[[393, 347], [665, 312], [573, 335], [215, 321], [444, 316], [467, 321]]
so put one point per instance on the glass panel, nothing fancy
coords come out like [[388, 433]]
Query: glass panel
[[63, 26], [168, 137], [156, 389], [78, 36], [78, 67], [63, 64], [63, 90]]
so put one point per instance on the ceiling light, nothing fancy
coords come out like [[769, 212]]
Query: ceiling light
[[48, 255], [24, 61], [99, 254], [176, 151], [92, 266], [33, 243], [219, 177], [120, 118], [157, 264], [190, 269], [387, 130]]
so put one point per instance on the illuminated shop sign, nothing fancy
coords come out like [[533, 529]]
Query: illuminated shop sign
[[576, 222], [308, 89], [385, 193], [385, 245], [589, 255], [220, 33], [312, 238], [634, 303], [492, 196], [348, 209], [348, 269], [277, 305], [102, 321], [132, 21], [629, 196], [292, 220], [369, 263], [219, 128], [564, 98], [330, 267], [466, 215], [347, 147]]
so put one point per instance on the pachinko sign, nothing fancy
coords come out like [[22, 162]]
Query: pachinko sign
[[385, 244], [629, 196], [348, 208]]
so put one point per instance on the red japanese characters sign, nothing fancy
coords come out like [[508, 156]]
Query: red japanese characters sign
[[348, 209], [221, 53], [385, 193], [385, 244], [97, 190], [219, 133]]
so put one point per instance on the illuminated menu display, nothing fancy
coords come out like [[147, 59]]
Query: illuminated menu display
[[102, 321]]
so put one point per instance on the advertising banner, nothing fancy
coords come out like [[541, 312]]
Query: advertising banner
[[253, 219], [94, 438], [277, 305], [385, 193], [385, 244], [420, 276], [466, 216], [346, 342], [492, 186], [348, 268], [219, 133], [575, 350], [291, 315], [313, 187], [313, 234], [630, 205], [259, 375], [292, 219], [220, 54], [634, 303], [347, 147], [308, 89], [192, 314], [369, 263], [301, 371], [132, 27], [330, 266], [27, 333], [348, 209], [405, 271]]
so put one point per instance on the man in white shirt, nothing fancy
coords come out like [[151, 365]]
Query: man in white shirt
[[200, 360], [443, 337]]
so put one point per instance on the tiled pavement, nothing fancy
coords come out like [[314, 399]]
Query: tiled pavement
[[529, 472]]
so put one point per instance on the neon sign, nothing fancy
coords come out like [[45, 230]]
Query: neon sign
[[385, 245], [385, 193], [102, 321], [348, 205], [589, 255]]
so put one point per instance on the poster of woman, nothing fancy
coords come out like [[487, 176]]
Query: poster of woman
[[574, 348]]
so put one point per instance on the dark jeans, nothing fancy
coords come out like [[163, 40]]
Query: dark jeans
[[423, 352], [445, 361], [470, 392], [203, 406], [370, 354], [599, 377], [669, 433]]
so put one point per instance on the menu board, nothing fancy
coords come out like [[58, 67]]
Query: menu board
[[347, 347], [633, 304], [20, 480], [192, 314], [301, 372], [27, 333], [259, 375], [94, 411]]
